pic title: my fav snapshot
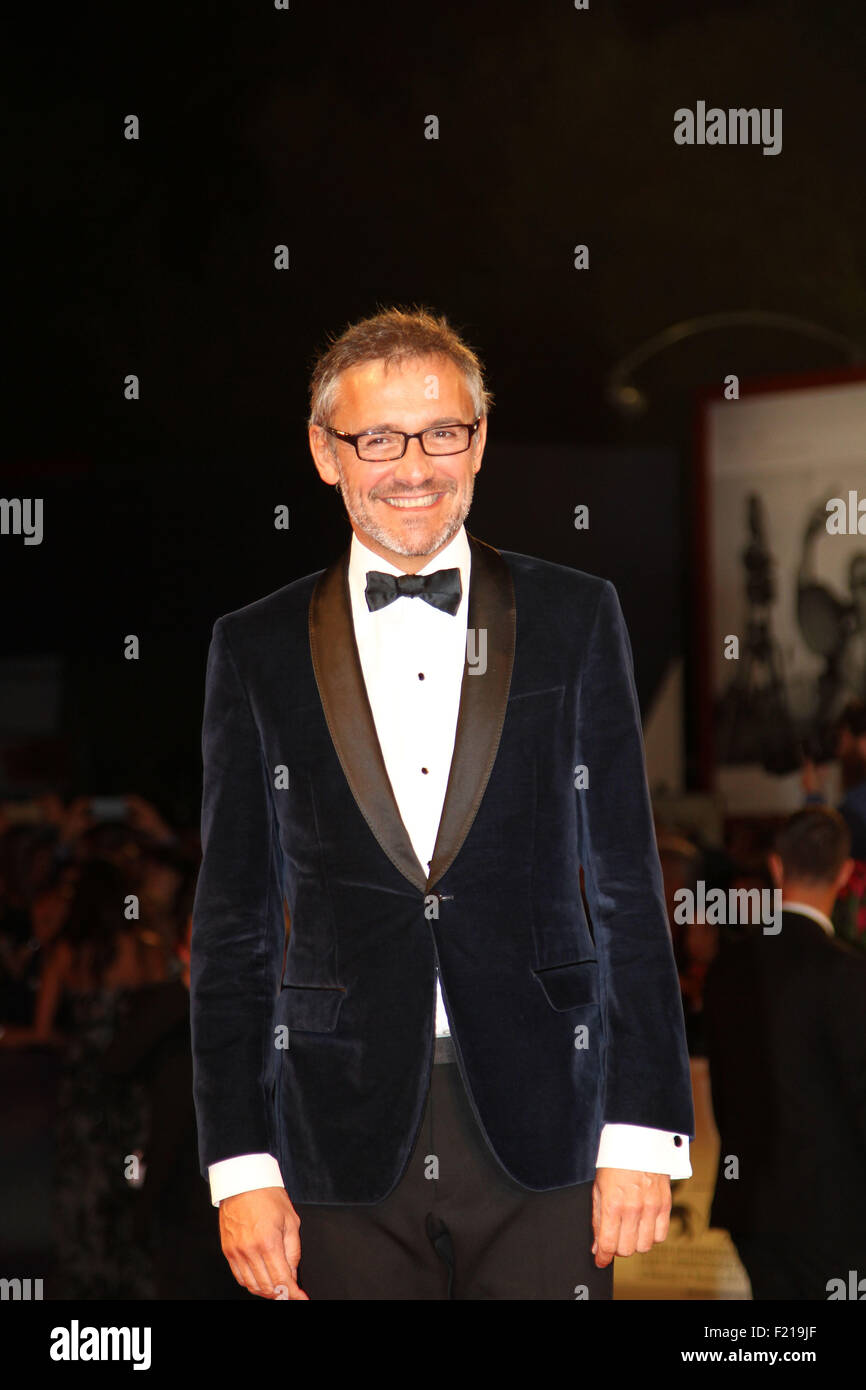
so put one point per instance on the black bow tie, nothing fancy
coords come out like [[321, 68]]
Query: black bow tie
[[442, 589]]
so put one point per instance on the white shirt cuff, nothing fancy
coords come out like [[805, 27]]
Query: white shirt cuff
[[243, 1174], [647, 1150]]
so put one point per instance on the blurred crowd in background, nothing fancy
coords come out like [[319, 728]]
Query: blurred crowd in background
[[95, 922], [102, 1186]]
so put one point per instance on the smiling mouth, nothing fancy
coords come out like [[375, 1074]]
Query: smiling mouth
[[428, 500]]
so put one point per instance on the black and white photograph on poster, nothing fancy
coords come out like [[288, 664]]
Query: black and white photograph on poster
[[787, 500]]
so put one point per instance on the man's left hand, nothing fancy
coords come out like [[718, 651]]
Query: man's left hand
[[630, 1211]]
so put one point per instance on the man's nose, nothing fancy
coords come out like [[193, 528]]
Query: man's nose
[[415, 465]]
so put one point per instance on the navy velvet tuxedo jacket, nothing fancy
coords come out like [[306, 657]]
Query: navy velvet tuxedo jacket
[[561, 1025]]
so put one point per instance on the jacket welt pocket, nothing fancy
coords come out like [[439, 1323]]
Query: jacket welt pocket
[[311, 1008], [570, 985]]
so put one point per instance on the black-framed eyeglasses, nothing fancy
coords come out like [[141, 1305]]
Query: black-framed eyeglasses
[[386, 446]]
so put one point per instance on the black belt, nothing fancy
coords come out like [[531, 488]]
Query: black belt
[[444, 1050]]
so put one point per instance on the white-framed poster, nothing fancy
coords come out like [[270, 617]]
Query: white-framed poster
[[784, 527]]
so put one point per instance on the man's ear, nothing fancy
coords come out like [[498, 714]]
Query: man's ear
[[843, 875], [481, 440], [322, 456], [774, 864]]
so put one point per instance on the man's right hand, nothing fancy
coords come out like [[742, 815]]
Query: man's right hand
[[259, 1234]]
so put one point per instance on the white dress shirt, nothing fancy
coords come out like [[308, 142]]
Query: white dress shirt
[[789, 905], [412, 658]]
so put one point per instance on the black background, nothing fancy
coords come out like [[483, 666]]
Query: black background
[[306, 127]]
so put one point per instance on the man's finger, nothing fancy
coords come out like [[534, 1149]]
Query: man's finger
[[271, 1271], [629, 1222], [596, 1210], [646, 1227], [607, 1236], [662, 1226], [236, 1271], [249, 1279], [283, 1275], [292, 1252]]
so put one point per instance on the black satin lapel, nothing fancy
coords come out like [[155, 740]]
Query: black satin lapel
[[483, 702], [337, 667]]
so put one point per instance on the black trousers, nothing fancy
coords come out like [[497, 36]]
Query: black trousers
[[456, 1226]]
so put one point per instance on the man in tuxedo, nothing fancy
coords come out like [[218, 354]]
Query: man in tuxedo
[[455, 1083], [786, 1046]]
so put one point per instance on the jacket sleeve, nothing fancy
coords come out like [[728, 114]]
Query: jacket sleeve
[[647, 1080], [238, 929]]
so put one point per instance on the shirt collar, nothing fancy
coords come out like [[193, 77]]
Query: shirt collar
[[789, 905], [456, 555]]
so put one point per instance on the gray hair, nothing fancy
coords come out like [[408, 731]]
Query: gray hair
[[393, 336]]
